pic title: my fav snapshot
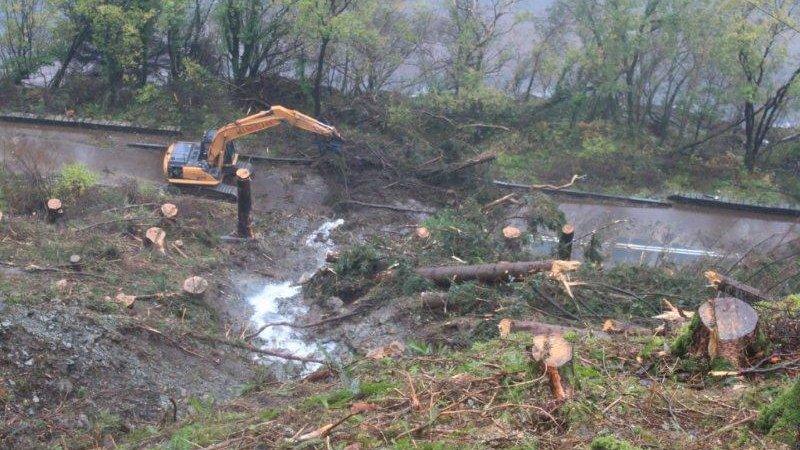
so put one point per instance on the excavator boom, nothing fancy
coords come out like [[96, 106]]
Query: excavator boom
[[262, 121]]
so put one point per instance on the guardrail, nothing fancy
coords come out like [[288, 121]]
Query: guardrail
[[591, 195], [62, 120], [722, 204]]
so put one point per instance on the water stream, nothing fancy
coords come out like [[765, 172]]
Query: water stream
[[281, 302]]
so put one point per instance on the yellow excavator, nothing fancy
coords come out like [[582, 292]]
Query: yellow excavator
[[205, 164]]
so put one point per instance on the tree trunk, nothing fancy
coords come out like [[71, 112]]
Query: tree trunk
[[244, 204], [565, 242], [735, 288], [80, 38], [508, 326], [502, 271], [323, 48]]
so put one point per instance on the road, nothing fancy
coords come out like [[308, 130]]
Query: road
[[642, 233]]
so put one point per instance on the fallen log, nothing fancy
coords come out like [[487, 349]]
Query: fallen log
[[501, 271], [508, 326], [449, 169], [554, 353], [389, 207], [612, 326], [729, 286]]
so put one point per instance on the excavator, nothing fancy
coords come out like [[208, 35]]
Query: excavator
[[205, 164]]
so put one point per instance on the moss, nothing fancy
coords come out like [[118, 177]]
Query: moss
[[611, 443], [781, 418], [654, 344], [721, 364], [680, 346]]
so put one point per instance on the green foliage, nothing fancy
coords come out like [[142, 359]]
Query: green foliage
[[609, 442], [73, 180], [462, 233], [653, 345], [781, 417], [681, 345]]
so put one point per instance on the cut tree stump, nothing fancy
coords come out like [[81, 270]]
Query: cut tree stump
[[729, 286], [423, 233], [727, 329], [55, 210], [434, 300], [565, 242], [512, 236], [244, 227], [169, 211], [554, 353], [75, 262], [332, 256], [154, 238], [195, 286], [497, 272]]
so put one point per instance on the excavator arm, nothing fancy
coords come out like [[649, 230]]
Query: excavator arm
[[262, 121]]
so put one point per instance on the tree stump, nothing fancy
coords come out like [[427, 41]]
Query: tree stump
[[332, 256], [422, 233], [75, 263], [195, 286], [55, 210], [565, 242], [728, 328], [555, 355], [244, 204], [125, 300], [169, 211], [154, 238], [512, 237]]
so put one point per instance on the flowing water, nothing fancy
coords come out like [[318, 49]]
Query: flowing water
[[281, 302]]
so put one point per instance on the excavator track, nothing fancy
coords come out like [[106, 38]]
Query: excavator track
[[224, 192]]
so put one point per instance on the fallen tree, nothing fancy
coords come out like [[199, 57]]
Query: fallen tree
[[508, 326], [449, 169], [729, 286], [497, 272]]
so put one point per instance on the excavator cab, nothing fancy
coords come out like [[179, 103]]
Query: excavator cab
[[208, 138]]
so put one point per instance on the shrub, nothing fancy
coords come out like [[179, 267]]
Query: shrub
[[74, 179]]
